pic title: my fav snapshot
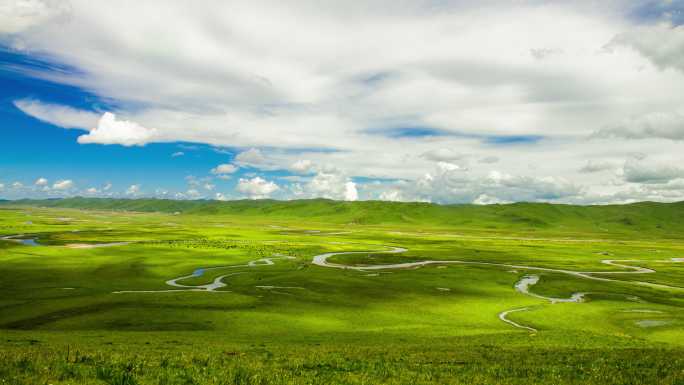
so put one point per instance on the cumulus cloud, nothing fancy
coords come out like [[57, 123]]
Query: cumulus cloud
[[255, 158], [445, 185], [133, 189], [651, 172], [41, 182], [65, 184], [109, 130], [58, 115], [392, 196], [662, 43], [666, 125], [92, 191], [316, 100], [17, 185], [229, 95], [225, 168], [303, 166], [256, 188], [350, 192], [330, 184]]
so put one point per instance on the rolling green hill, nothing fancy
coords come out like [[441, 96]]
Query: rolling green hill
[[661, 219]]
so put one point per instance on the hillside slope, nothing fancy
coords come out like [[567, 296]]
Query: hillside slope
[[657, 219]]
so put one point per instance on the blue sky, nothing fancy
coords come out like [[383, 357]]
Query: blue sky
[[448, 102], [31, 149]]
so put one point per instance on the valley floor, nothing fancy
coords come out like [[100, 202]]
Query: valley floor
[[138, 298]]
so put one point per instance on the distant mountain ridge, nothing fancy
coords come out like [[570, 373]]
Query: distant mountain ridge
[[644, 217]]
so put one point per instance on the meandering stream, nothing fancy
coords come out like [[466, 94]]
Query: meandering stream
[[522, 286], [217, 283], [23, 241], [32, 241]]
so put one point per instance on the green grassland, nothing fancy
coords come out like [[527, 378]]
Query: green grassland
[[63, 319]]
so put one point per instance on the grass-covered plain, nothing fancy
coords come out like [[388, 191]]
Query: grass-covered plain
[[293, 322]]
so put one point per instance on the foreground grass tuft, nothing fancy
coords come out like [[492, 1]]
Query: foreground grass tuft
[[357, 365]]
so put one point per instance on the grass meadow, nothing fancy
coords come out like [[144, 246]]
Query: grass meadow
[[69, 313]]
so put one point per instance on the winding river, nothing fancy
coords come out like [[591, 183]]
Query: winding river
[[217, 283], [32, 241], [23, 241], [522, 286]]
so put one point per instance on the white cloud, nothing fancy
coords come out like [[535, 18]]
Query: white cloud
[[209, 186], [224, 169], [177, 154], [133, 189], [391, 196], [593, 166], [350, 192], [107, 187], [445, 185], [666, 125], [221, 197], [19, 15], [2, 186], [256, 188], [219, 85], [62, 116], [109, 130], [254, 158], [662, 43], [41, 182], [446, 166], [65, 184], [193, 194], [92, 191], [330, 184], [443, 155], [302, 166], [651, 172], [490, 159], [484, 199], [410, 85], [17, 185]]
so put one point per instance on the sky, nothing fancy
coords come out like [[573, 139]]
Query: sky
[[438, 101]]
